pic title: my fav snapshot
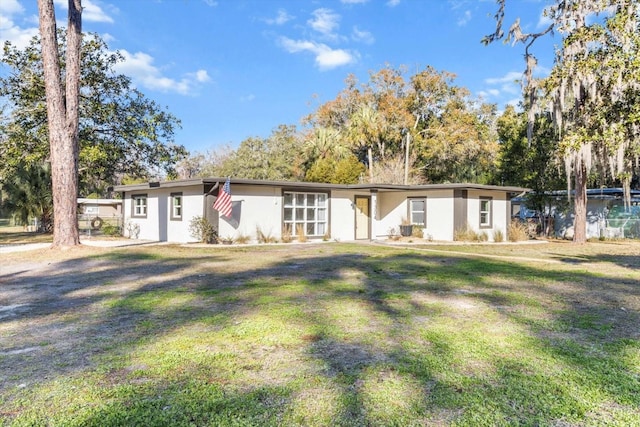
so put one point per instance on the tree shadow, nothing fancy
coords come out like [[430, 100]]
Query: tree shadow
[[79, 312]]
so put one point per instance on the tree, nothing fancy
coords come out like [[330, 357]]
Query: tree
[[28, 195], [592, 91], [347, 170], [121, 132], [411, 129], [458, 146], [277, 157], [532, 164], [62, 117]]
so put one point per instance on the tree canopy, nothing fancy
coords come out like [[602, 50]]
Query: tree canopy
[[121, 132], [593, 91], [394, 128]]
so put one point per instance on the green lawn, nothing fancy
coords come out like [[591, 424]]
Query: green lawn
[[322, 334]]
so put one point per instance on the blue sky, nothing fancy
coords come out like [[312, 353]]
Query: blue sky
[[232, 69]]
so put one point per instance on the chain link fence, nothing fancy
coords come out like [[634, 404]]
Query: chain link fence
[[93, 225]]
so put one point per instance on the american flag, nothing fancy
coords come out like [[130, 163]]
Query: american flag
[[223, 202]]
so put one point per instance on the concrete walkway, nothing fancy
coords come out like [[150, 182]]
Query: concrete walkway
[[21, 247]]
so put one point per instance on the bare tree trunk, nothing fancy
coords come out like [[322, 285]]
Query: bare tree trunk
[[580, 202], [62, 119]]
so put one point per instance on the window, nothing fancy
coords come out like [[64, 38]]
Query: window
[[418, 211], [176, 206], [306, 212], [485, 212], [139, 205]]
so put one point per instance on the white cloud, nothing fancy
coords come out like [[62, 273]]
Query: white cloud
[[281, 18], [326, 58], [247, 98], [510, 77], [464, 20], [354, 1], [212, 3], [362, 36], [393, 3], [10, 31], [10, 7], [508, 85], [324, 21], [139, 66], [91, 11]]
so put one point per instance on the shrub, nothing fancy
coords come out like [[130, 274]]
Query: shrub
[[302, 237], [417, 232], [200, 228], [287, 236], [242, 239], [498, 236], [465, 234], [111, 230], [264, 237], [517, 232]]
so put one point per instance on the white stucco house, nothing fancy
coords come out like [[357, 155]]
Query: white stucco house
[[608, 215], [162, 211]]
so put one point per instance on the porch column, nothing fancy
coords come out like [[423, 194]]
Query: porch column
[[374, 214]]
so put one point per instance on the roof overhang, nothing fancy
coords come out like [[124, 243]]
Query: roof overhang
[[317, 185]]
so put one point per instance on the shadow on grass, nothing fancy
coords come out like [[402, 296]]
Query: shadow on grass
[[408, 321]]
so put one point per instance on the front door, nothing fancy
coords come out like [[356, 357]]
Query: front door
[[363, 220]]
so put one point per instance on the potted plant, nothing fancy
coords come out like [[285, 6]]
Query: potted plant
[[406, 228]]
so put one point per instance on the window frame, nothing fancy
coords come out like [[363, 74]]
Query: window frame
[[172, 213], [320, 226], [135, 206], [488, 212], [410, 210]]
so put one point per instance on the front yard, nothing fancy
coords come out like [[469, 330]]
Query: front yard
[[322, 334]]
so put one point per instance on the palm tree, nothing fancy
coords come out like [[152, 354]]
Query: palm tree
[[28, 195]]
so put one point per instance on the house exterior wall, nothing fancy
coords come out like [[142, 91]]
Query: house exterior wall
[[394, 208], [596, 220], [101, 208], [500, 209], [342, 214], [158, 224], [260, 206], [440, 215], [192, 199]]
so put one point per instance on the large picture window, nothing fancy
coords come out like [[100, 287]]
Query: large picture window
[[418, 211], [305, 213], [139, 205], [176, 206], [485, 212]]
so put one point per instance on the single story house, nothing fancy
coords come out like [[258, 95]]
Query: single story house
[[94, 213], [100, 207], [162, 211], [607, 214]]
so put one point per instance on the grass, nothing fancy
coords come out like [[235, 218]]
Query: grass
[[18, 235], [325, 334]]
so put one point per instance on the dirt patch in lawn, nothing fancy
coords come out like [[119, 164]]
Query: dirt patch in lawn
[[340, 311]]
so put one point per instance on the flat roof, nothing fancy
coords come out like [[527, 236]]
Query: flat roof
[[316, 185]]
